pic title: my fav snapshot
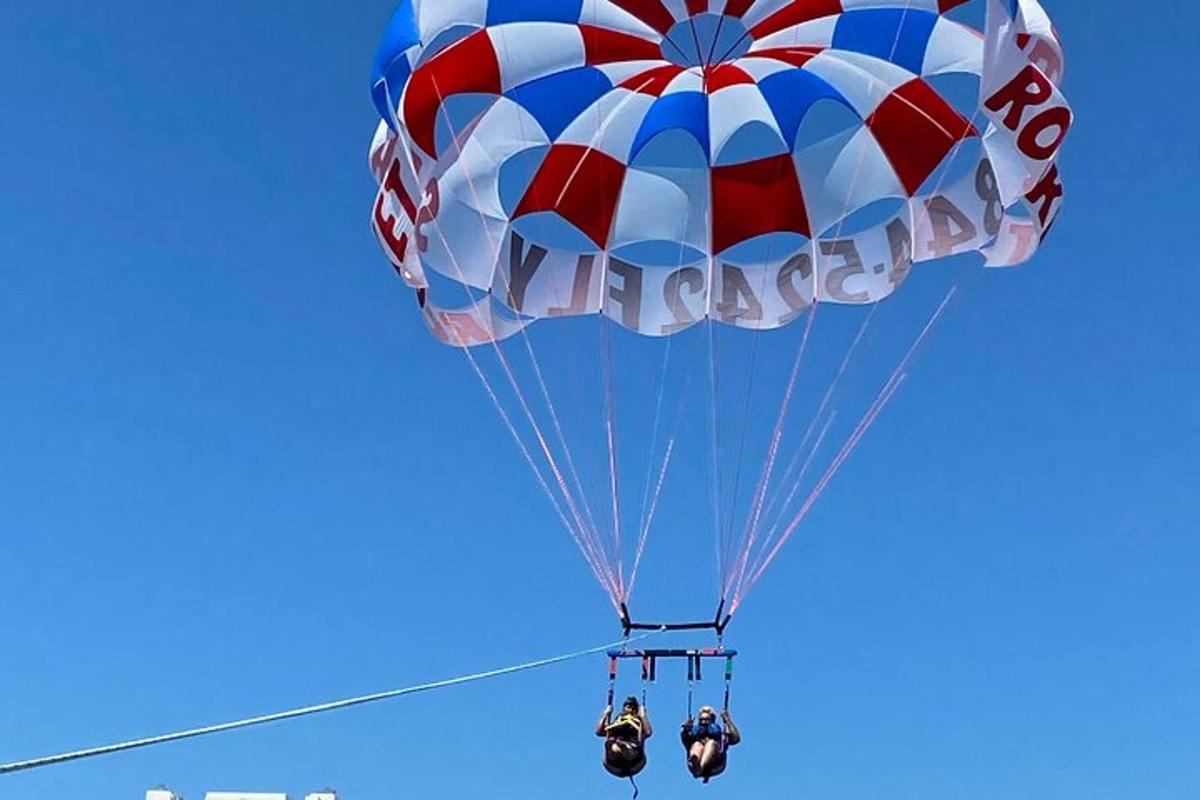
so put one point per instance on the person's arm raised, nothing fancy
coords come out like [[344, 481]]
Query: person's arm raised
[[605, 718]]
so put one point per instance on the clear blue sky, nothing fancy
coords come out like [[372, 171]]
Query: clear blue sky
[[233, 465]]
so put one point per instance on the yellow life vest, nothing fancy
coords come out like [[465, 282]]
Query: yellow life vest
[[629, 724]]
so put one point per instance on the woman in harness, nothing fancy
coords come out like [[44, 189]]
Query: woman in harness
[[707, 743], [625, 738]]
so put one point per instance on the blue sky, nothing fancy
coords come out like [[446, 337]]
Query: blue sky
[[237, 475]]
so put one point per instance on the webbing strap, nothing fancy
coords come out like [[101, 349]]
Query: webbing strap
[[728, 679], [691, 676]]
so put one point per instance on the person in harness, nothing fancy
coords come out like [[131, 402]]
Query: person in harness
[[625, 738], [707, 743]]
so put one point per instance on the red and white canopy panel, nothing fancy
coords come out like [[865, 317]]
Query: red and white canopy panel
[[666, 161]]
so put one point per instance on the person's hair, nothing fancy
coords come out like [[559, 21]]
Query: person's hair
[[632, 702], [708, 710]]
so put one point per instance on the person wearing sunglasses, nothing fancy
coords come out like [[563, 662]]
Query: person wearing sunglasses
[[707, 743]]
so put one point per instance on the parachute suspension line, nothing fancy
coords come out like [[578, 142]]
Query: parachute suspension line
[[613, 559], [717, 478], [528, 341], [778, 520], [662, 474], [577, 535], [737, 578], [613, 579], [610, 412], [658, 405], [889, 390], [830, 392], [580, 533], [520, 442], [716, 448], [891, 387], [644, 537], [756, 505], [608, 548], [767, 556], [583, 495], [593, 558], [732, 558], [850, 445], [727, 518], [650, 503], [790, 473], [737, 561], [648, 507], [585, 538], [603, 123], [612, 680], [881, 401], [306, 711]]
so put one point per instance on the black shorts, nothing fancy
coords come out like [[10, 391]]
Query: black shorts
[[628, 763]]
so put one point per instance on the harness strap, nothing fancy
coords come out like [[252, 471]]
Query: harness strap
[[728, 679], [691, 676]]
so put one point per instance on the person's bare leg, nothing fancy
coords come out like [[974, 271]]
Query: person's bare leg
[[708, 756], [695, 756]]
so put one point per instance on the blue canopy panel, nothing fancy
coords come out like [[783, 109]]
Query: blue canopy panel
[[685, 111], [891, 34], [791, 94], [392, 64], [534, 11], [557, 100]]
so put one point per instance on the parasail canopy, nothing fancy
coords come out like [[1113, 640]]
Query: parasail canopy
[[665, 163]]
